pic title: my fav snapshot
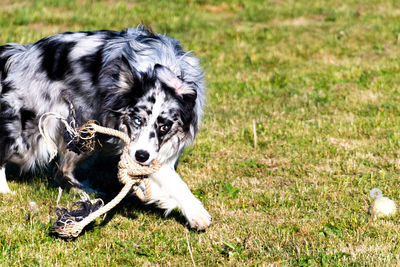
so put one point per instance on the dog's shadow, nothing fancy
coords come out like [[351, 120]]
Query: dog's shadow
[[99, 174]]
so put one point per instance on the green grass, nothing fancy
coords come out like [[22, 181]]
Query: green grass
[[321, 81]]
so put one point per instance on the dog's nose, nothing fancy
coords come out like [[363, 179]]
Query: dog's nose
[[142, 155]]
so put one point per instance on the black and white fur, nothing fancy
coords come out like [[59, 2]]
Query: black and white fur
[[135, 81]]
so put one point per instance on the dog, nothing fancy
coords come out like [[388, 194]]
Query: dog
[[135, 81]]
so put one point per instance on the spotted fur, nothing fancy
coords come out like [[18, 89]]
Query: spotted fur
[[135, 81]]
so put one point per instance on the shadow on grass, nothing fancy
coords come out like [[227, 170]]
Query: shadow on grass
[[100, 175], [43, 174]]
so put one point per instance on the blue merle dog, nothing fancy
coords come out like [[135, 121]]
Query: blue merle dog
[[136, 81]]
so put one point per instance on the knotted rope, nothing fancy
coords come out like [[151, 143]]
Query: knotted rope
[[130, 173]]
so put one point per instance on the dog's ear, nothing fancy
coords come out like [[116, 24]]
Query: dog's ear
[[166, 76], [126, 76]]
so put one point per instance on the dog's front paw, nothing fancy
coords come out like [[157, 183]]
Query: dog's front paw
[[199, 219], [69, 182]]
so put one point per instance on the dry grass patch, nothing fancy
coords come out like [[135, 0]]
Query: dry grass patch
[[347, 144], [298, 22]]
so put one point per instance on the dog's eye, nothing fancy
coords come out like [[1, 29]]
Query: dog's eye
[[137, 121], [164, 129]]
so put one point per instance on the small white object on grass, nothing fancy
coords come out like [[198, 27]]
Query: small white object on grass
[[382, 206], [375, 193], [33, 206]]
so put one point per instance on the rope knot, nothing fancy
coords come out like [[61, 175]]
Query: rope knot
[[130, 171]]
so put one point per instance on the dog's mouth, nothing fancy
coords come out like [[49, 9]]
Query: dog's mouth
[[150, 164], [147, 163], [143, 164]]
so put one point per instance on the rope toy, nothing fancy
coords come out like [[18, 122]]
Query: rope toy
[[70, 223]]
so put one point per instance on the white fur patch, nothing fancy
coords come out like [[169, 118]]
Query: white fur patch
[[169, 192], [170, 79], [72, 37], [85, 47], [3, 181]]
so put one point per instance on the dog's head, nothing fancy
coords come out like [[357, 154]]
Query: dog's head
[[156, 109]]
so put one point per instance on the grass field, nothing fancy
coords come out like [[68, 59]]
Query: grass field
[[320, 79]]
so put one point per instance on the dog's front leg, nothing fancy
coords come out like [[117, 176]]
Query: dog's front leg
[[65, 176], [3, 181], [169, 192]]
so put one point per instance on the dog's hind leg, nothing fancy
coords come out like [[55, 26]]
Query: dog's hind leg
[[3, 181], [9, 133]]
